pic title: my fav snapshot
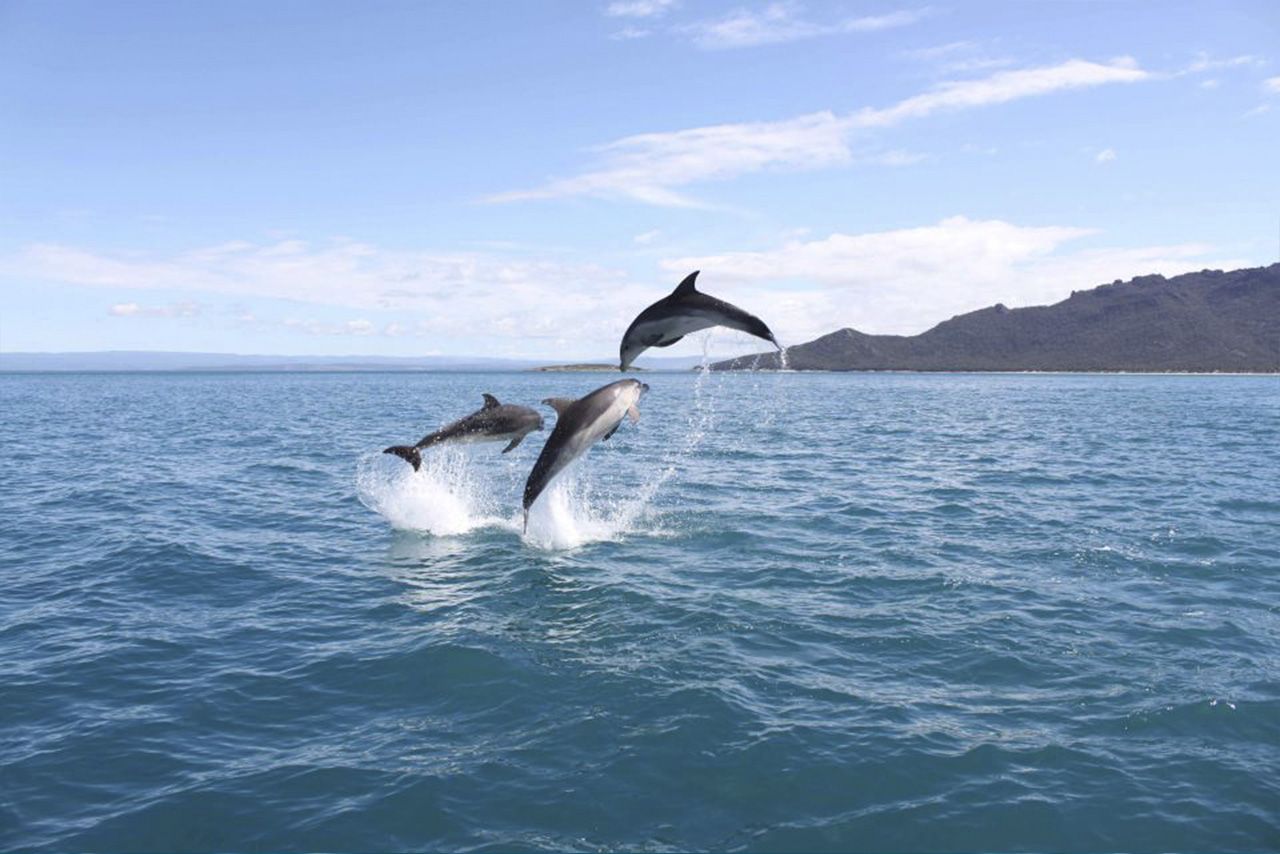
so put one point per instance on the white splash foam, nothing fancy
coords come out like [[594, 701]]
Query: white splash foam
[[571, 514], [445, 498]]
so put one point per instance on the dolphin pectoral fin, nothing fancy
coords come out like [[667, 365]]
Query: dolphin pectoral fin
[[490, 401], [632, 413], [611, 432], [668, 342], [559, 404], [686, 287], [516, 441], [406, 453]]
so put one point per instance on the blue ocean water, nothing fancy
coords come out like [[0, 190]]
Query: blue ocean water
[[783, 612]]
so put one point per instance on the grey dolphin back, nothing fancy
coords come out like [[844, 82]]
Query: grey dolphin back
[[490, 402]]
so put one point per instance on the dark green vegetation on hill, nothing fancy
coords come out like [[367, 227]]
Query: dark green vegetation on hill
[[1206, 321]]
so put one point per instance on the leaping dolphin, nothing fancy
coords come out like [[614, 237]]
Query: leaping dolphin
[[685, 310], [579, 425], [493, 422]]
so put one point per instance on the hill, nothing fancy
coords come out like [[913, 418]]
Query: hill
[[1209, 321]]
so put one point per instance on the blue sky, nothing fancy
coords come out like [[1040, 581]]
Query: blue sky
[[522, 178]]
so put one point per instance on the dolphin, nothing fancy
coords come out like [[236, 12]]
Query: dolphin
[[493, 422], [685, 310], [579, 425]]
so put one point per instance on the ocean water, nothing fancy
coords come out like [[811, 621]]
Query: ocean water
[[783, 612]]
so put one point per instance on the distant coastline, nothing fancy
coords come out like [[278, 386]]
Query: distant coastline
[[1210, 322], [586, 367]]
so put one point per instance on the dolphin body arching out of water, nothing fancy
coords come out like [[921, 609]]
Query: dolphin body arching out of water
[[579, 425], [685, 310], [494, 422]]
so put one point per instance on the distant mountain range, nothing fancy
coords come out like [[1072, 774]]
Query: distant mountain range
[[148, 360], [1209, 321]]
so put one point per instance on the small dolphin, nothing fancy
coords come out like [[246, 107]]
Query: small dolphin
[[685, 310], [494, 422], [579, 425]]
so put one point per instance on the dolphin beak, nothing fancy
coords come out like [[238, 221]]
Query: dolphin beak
[[644, 388]]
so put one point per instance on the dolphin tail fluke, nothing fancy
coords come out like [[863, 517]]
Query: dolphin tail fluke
[[408, 454]]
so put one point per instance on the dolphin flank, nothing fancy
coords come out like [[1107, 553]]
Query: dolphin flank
[[579, 425], [685, 310], [493, 422]]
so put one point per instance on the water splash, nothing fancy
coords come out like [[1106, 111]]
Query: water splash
[[574, 511], [458, 491], [446, 497], [571, 514]]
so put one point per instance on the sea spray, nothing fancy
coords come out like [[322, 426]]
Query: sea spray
[[446, 497]]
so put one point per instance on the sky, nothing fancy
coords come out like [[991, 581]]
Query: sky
[[521, 179]]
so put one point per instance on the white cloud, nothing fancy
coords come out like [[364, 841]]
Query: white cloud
[[639, 8], [647, 238], [649, 167], [478, 301], [1002, 87], [906, 281], [957, 57], [182, 308], [1106, 155], [899, 158], [900, 281], [1271, 85], [1205, 63], [784, 22], [629, 34]]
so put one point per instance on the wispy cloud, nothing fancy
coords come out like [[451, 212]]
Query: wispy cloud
[[652, 167], [629, 34], [958, 57], [639, 8], [182, 308], [1003, 87], [1204, 63], [785, 22], [1271, 85], [1106, 155]]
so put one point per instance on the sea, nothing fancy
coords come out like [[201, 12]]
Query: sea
[[782, 612]]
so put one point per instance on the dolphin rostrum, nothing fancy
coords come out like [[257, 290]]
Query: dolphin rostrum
[[579, 425], [685, 310], [493, 422]]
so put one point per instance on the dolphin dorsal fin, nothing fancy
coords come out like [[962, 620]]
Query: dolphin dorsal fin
[[686, 287], [490, 401], [559, 404]]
